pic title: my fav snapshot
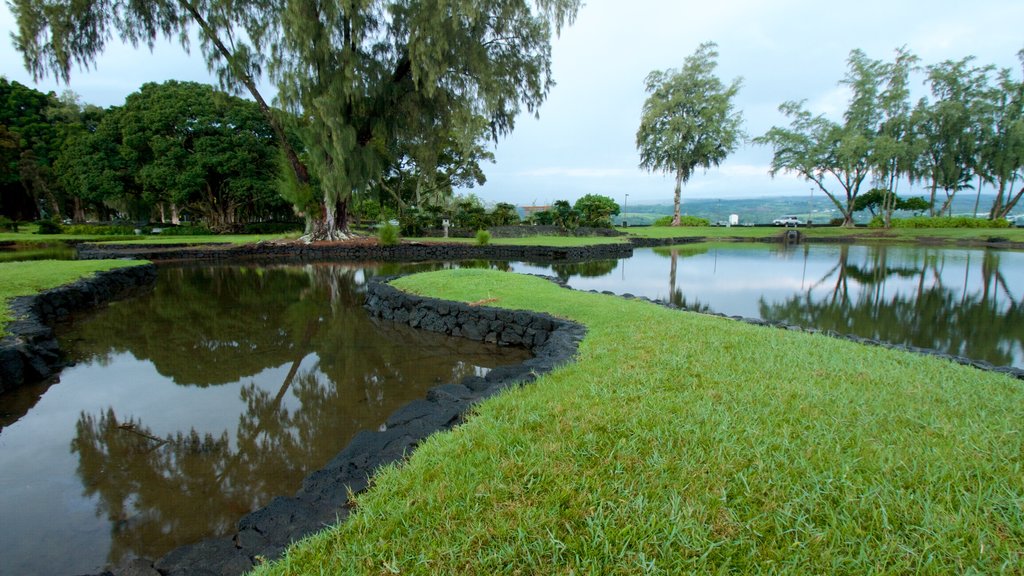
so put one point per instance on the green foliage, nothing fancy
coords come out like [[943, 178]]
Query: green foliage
[[683, 221], [564, 215], [543, 218], [97, 230], [388, 234], [469, 213], [596, 211], [483, 237], [29, 144], [941, 222], [688, 120], [876, 198], [504, 214], [8, 225], [48, 227]]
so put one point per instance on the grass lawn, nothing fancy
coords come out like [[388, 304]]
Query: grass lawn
[[862, 234], [683, 443], [26, 278], [27, 234], [552, 241]]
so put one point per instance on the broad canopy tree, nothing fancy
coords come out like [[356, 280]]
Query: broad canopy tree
[[358, 76], [688, 120]]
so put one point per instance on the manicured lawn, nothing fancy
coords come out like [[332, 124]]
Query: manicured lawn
[[681, 443], [25, 278], [553, 241], [861, 234]]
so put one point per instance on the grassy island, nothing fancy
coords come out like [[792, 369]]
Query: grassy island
[[683, 443], [31, 277]]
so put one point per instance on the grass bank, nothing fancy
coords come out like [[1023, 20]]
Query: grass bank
[[682, 443], [551, 241], [928, 235], [27, 278]]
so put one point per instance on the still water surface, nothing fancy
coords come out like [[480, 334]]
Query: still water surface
[[966, 302], [198, 402]]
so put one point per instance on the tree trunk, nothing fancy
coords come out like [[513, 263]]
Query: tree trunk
[[679, 190], [332, 224], [175, 218]]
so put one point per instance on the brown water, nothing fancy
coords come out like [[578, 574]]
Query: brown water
[[201, 401]]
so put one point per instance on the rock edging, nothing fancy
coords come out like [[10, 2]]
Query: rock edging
[[29, 353], [323, 498], [404, 252]]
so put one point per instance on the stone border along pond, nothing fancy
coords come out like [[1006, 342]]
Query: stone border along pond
[[323, 498], [29, 352]]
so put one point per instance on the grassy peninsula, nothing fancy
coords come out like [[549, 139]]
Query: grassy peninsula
[[30, 277], [683, 443]]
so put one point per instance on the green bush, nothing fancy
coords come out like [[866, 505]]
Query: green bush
[[483, 237], [944, 222], [187, 231], [388, 235], [8, 225], [683, 221], [48, 227], [98, 230]]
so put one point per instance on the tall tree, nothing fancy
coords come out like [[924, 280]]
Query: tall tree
[[688, 120], [951, 126], [895, 148], [29, 143], [358, 75], [830, 153], [1002, 147], [55, 35]]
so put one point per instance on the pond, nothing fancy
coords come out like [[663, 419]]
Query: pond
[[196, 403], [21, 251], [965, 302]]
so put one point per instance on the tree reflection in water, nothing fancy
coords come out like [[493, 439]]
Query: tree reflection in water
[[931, 304], [211, 326]]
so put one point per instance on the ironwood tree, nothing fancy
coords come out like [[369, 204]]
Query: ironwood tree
[[688, 119], [357, 76]]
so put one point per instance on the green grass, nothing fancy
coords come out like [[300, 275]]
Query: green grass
[[550, 241], [26, 278], [211, 239], [861, 234], [27, 234], [682, 443]]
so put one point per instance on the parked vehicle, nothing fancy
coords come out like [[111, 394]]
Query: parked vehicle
[[787, 221]]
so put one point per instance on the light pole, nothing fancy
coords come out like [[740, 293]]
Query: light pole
[[625, 205]]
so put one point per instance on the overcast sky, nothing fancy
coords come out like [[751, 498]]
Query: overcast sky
[[584, 140]]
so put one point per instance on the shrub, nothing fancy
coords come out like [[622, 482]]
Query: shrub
[[483, 237], [388, 234], [683, 221], [94, 230], [48, 227], [185, 231], [8, 225]]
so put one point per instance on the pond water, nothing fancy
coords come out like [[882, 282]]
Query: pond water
[[19, 251], [966, 302], [200, 401]]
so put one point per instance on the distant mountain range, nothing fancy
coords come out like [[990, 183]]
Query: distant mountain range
[[818, 209]]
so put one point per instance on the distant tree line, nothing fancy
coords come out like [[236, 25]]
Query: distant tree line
[[171, 150], [966, 134]]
